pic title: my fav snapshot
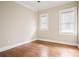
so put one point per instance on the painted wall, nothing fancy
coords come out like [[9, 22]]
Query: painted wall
[[53, 33], [17, 24]]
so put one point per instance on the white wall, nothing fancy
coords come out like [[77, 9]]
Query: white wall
[[17, 24]]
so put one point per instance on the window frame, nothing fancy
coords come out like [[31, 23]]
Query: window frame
[[75, 24], [40, 21]]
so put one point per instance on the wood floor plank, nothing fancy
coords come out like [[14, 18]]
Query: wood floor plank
[[40, 48]]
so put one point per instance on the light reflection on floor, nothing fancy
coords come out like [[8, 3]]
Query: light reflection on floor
[[67, 53], [44, 51]]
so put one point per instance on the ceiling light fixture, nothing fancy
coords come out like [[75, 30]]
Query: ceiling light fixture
[[38, 1]]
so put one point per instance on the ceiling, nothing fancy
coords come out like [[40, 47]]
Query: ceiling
[[34, 5]]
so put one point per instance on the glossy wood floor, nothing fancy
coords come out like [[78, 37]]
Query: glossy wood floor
[[42, 49]]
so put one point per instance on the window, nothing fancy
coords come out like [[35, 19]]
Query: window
[[44, 22], [67, 21]]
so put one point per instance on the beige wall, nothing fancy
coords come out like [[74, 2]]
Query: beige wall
[[17, 24], [53, 33]]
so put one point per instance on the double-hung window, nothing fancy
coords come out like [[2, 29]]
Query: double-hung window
[[67, 21], [44, 21]]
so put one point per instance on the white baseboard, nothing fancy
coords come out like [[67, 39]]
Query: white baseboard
[[10, 47], [56, 41]]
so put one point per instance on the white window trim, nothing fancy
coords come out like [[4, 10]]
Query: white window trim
[[65, 10]]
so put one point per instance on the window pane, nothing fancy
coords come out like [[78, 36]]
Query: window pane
[[67, 27], [67, 17]]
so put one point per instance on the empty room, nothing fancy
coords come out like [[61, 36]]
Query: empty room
[[39, 28]]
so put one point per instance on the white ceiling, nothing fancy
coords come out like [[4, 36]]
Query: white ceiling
[[34, 5]]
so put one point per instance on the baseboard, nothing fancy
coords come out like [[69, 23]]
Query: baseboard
[[19, 44], [50, 40]]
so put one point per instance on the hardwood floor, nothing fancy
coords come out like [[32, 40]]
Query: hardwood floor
[[42, 49]]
